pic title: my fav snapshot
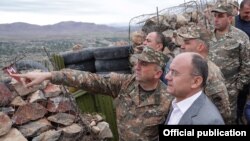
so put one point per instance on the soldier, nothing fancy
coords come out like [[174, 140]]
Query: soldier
[[230, 51], [235, 6], [141, 100], [196, 40], [157, 41], [235, 11], [186, 80]]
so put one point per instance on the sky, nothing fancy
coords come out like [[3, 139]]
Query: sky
[[44, 12]]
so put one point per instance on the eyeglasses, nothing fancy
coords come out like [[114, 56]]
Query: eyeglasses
[[173, 73]]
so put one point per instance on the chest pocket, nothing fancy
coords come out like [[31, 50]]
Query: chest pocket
[[124, 107], [231, 48]]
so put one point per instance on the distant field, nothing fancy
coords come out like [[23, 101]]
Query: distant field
[[33, 49], [19, 39]]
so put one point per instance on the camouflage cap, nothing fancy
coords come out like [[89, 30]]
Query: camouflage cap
[[148, 54], [234, 3], [196, 32], [223, 9]]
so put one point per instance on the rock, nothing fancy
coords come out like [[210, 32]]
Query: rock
[[59, 104], [5, 124], [181, 21], [105, 131], [72, 130], [98, 118], [5, 95], [17, 101], [37, 97], [13, 135], [95, 130], [62, 118], [71, 133], [138, 37], [22, 91], [7, 110], [151, 24], [51, 135], [28, 112], [35, 128], [93, 123], [52, 90]]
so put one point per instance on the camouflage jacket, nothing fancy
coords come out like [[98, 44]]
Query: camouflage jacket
[[137, 119], [216, 90], [231, 53]]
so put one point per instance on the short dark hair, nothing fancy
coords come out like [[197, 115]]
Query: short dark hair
[[161, 39], [244, 2], [200, 67]]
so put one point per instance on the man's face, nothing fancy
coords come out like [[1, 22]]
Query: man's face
[[245, 13], [221, 21], [189, 45], [145, 71], [180, 77], [151, 41]]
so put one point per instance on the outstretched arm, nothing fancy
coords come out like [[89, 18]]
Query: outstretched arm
[[109, 84], [33, 78]]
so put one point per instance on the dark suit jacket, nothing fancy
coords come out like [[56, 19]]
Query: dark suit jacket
[[201, 112]]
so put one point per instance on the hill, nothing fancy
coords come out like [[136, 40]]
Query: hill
[[21, 30]]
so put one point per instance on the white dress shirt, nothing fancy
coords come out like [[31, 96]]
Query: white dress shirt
[[179, 108]]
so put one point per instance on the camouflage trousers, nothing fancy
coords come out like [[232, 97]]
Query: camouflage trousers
[[233, 94]]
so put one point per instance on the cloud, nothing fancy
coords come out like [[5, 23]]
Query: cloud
[[53, 11]]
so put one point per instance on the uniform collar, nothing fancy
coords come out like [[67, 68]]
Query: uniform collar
[[153, 99], [228, 34]]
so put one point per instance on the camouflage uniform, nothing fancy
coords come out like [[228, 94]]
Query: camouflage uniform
[[216, 90], [232, 54], [138, 111], [215, 87]]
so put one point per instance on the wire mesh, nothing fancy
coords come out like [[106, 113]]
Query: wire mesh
[[186, 7]]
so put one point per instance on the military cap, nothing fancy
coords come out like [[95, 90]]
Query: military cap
[[235, 3], [196, 32], [223, 9], [148, 54]]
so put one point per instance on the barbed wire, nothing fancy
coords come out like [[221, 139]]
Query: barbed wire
[[193, 6]]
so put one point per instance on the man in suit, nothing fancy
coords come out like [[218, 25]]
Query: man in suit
[[196, 40], [186, 80]]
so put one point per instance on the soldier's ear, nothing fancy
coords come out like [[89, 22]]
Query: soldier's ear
[[158, 74], [230, 19], [159, 47], [200, 47]]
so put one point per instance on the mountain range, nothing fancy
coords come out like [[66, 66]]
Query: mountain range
[[66, 28]]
